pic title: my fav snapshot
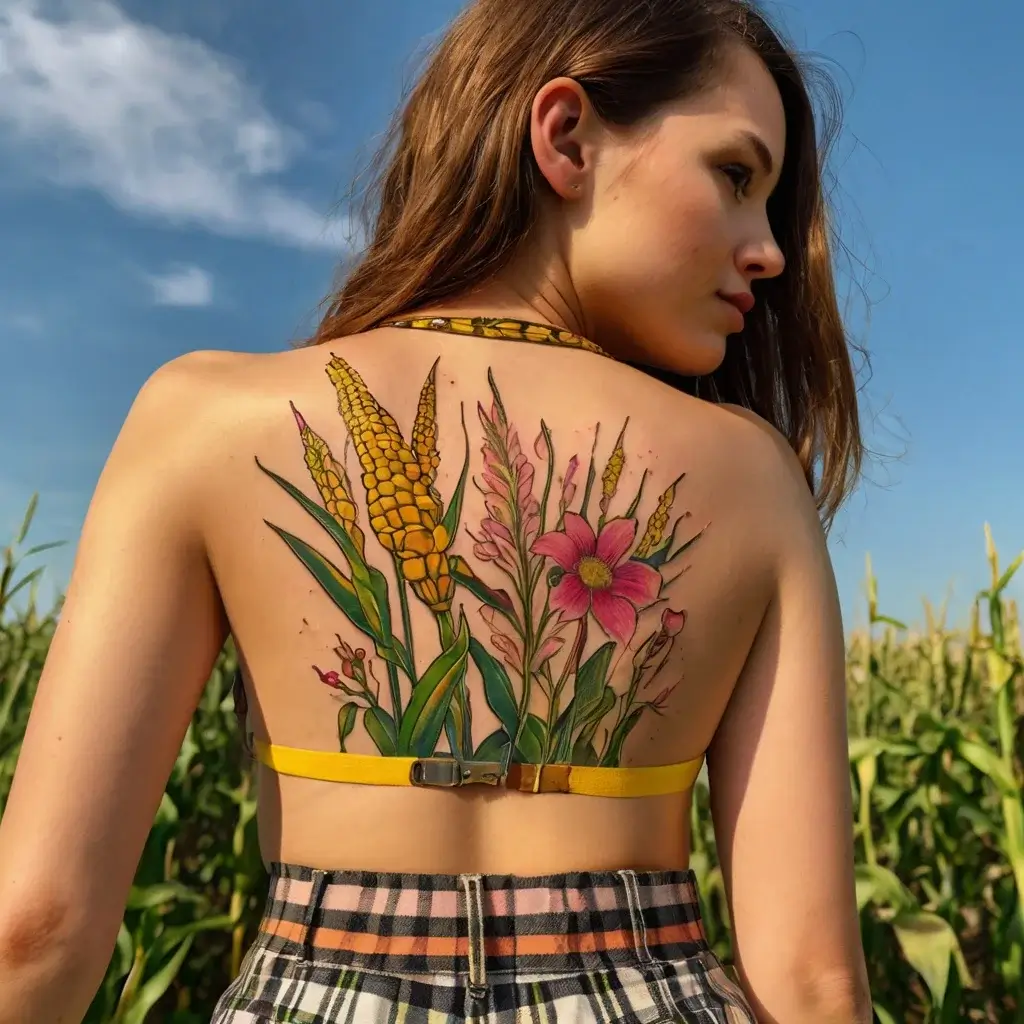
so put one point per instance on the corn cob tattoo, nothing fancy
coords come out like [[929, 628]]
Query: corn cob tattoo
[[424, 430], [613, 470], [405, 510], [331, 480], [655, 529]]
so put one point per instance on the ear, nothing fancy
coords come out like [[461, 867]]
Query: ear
[[564, 133]]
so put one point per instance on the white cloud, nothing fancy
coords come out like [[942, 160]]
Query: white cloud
[[182, 286], [161, 124]]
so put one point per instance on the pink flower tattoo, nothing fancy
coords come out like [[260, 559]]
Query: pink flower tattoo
[[596, 579]]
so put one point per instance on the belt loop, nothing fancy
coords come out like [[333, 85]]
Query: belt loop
[[636, 915], [310, 916], [473, 889]]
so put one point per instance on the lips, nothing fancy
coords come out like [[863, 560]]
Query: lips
[[743, 301]]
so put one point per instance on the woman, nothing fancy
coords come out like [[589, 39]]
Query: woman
[[498, 581]]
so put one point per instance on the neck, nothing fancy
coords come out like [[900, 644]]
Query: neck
[[535, 286]]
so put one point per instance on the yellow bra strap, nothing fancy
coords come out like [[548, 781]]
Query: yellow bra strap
[[446, 772]]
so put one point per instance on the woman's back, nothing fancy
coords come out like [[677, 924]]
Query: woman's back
[[640, 636]]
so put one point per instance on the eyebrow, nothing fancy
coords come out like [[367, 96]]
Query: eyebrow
[[764, 154]]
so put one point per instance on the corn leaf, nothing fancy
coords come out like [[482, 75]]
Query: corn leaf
[[26, 522], [497, 686], [149, 994], [549, 445], [878, 885], [424, 718], [339, 588], [367, 581], [463, 574], [531, 741], [1004, 581], [346, 722], [587, 697], [928, 943], [458, 724], [453, 515], [494, 747], [871, 746], [987, 761], [687, 544], [501, 700], [635, 504], [613, 754], [884, 1016], [143, 897], [381, 727]]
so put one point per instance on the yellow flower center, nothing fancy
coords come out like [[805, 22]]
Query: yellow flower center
[[594, 573]]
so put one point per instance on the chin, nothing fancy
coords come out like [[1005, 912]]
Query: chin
[[695, 356]]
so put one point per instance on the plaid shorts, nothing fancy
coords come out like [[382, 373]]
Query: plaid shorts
[[620, 947]]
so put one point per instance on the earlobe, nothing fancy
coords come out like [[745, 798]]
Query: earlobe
[[556, 122]]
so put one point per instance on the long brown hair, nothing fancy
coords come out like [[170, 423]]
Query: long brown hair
[[456, 192]]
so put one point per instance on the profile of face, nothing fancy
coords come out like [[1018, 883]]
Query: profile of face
[[663, 228]]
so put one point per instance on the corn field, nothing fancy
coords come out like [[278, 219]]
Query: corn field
[[937, 762]]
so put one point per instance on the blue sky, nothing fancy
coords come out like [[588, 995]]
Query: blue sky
[[167, 172]]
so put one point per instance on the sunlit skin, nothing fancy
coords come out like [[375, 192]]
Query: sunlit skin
[[640, 236]]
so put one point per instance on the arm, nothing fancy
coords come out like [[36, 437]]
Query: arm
[[780, 780], [135, 644]]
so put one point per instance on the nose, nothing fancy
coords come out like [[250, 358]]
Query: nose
[[761, 259]]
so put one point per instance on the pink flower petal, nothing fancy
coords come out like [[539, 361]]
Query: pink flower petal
[[497, 484], [636, 582], [495, 531], [557, 546], [578, 530], [513, 653], [570, 472], [506, 559], [531, 527], [524, 488], [615, 615], [550, 647], [496, 508], [615, 540], [672, 622], [571, 597]]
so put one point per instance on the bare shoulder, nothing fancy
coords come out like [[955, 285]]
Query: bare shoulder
[[763, 440], [763, 454], [189, 412], [207, 388], [208, 370]]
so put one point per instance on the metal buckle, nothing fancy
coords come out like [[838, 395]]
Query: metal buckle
[[447, 772]]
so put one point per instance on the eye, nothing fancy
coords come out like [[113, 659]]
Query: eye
[[740, 175]]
